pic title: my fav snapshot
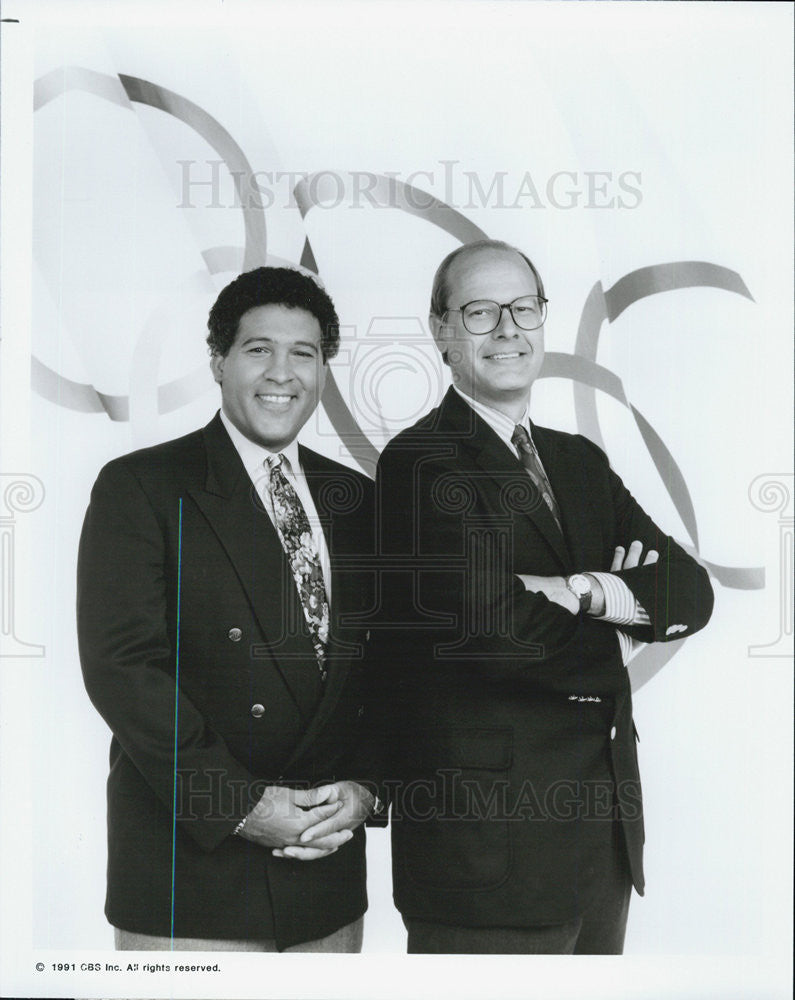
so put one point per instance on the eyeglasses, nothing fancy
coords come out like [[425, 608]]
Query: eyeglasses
[[483, 315]]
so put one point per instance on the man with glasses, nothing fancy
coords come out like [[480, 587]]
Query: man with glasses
[[518, 576]]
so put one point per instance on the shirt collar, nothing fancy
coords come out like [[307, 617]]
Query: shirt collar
[[253, 455], [502, 426]]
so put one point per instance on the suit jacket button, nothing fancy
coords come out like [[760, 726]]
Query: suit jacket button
[[258, 710], [235, 634], [360, 711], [613, 733]]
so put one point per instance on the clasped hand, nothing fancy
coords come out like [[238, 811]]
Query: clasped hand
[[307, 824]]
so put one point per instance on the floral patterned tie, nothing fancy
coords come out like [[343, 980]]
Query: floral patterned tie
[[296, 534], [530, 460]]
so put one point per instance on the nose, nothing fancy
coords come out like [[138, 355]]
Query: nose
[[280, 369], [506, 326]]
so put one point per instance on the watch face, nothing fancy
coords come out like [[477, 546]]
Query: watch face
[[579, 584]]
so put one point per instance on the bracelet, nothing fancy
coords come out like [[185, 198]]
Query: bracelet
[[239, 828]]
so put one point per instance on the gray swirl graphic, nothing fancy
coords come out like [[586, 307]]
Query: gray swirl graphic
[[22, 492], [771, 492]]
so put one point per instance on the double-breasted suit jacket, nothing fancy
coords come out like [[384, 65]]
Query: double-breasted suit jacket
[[195, 651], [511, 745]]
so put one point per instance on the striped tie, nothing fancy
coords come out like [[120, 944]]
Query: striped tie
[[520, 439]]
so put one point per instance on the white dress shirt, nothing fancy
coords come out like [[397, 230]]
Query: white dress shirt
[[255, 461]]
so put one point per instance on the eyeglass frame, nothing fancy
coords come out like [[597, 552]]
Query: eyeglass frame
[[500, 306]]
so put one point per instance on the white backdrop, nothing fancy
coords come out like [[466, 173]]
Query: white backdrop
[[603, 140]]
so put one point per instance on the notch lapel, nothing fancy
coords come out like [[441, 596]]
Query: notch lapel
[[571, 491], [233, 510], [502, 464]]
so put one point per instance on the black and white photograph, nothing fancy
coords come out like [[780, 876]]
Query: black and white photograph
[[396, 434]]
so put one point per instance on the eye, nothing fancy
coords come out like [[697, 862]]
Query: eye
[[527, 307]]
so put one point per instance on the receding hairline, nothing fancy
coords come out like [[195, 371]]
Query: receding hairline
[[441, 281], [468, 251]]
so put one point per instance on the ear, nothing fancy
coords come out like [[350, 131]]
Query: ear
[[443, 334], [217, 367]]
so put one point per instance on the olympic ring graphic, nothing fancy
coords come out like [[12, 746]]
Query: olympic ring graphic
[[581, 368]]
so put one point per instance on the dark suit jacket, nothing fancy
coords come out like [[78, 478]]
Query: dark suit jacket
[[511, 719], [195, 651]]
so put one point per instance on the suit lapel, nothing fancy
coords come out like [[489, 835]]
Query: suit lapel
[[232, 507], [571, 492], [493, 457]]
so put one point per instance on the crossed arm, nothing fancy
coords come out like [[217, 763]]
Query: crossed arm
[[331, 824], [555, 589]]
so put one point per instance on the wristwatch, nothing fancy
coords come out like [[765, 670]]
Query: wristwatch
[[580, 586]]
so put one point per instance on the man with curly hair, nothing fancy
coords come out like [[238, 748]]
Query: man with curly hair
[[217, 577]]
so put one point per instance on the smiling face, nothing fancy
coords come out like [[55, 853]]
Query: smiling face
[[496, 368], [273, 375]]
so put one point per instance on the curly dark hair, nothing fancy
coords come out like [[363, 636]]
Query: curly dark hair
[[271, 286]]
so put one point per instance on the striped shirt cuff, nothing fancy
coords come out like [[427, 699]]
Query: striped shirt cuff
[[621, 607], [629, 647]]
